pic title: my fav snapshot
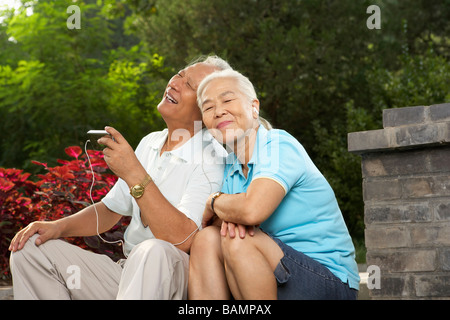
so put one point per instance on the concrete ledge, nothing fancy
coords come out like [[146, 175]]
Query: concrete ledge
[[6, 293], [399, 138], [397, 117], [405, 128]]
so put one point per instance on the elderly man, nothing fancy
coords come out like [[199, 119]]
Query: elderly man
[[163, 186]]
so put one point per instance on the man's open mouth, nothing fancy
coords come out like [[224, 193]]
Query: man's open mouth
[[171, 99]]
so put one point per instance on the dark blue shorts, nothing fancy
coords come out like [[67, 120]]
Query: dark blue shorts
[[300, 277]]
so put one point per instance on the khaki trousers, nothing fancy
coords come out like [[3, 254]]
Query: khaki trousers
[[154, 269]]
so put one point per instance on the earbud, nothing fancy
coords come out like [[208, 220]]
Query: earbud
[[256, 110]]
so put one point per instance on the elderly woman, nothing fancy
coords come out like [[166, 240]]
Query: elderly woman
[[302, 248]]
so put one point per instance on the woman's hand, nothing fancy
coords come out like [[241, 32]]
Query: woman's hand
[[120, 157], [226, 227], [209, 217], [230, 229]]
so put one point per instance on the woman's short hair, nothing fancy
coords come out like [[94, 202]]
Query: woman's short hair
[[244, 84]]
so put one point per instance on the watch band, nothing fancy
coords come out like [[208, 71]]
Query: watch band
[[138, 190], [146, 181], [215, 196]]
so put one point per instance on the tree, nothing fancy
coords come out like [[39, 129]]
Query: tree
[[59, 83]]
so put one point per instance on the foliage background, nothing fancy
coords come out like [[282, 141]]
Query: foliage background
[[318, 70]]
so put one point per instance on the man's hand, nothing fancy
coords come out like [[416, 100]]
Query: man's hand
[[120, 157], [46, 229]]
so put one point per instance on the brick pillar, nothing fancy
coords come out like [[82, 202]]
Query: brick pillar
[[406, 191]]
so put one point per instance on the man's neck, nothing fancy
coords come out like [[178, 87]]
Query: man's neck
[[177, 136]]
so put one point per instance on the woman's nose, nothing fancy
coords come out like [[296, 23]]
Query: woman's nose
[[219, 111]]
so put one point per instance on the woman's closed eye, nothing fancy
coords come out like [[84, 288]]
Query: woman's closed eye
[[207, 108]]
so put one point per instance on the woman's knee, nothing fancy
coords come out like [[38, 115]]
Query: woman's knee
[[236, 248], [239, 250], [207, 240]]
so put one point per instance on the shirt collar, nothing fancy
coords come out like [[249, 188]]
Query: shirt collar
[[192, 150], [158, 143], [236, 165]]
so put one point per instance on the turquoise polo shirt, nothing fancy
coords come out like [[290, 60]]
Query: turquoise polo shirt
[[308, 218]]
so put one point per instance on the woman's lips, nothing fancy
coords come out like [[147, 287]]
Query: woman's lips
[[223, 124]]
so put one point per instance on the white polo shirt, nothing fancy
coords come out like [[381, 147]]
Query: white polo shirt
[[185, 176]]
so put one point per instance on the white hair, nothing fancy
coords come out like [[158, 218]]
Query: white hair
[[212, 60], [245, 86]]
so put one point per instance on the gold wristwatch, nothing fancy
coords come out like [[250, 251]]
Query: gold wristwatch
[[214, 197], [138, 190]]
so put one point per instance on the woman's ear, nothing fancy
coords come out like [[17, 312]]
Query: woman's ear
[[255, 108]]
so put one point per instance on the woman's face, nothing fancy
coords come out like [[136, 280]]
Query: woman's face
[[227, 113]]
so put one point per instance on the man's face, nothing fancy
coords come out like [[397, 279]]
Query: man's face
[[179, 103]]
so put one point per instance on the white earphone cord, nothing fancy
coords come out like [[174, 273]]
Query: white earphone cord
[[96, 213], [93, 203]]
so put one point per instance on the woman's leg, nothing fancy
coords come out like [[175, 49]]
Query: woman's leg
[[207, 278], [249, 264]]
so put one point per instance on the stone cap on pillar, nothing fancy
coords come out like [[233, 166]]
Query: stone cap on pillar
[[405, 128]]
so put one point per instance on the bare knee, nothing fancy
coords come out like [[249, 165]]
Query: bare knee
[[206, 242], [236, 249]]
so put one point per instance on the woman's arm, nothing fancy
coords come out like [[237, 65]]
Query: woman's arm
[[250, 208]]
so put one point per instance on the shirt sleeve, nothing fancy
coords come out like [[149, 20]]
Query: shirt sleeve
[[118, 199], [206, 179], [280, 157]]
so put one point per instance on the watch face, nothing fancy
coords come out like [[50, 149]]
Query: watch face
[[137, 191]]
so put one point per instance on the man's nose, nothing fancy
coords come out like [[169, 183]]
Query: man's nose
[[174, 83]]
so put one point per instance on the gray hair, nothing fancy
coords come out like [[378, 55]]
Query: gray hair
[[245, 86], [213, 60]]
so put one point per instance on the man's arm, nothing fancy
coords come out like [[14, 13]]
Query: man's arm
[[82, 223], [166, 222]]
